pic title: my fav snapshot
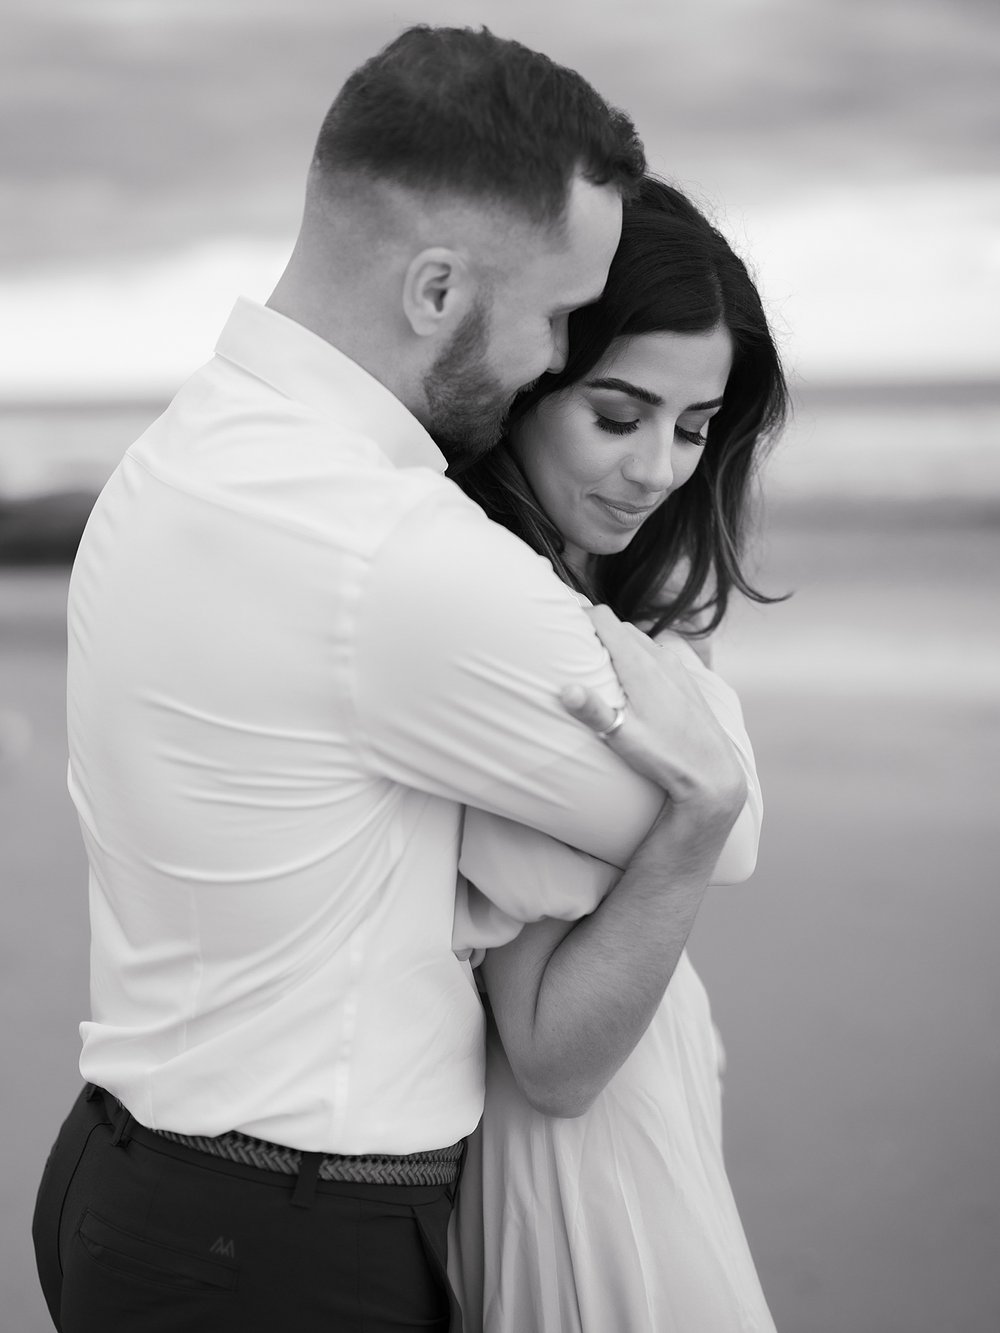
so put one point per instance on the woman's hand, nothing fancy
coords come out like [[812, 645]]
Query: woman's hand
[[572, 999], [667, 731]]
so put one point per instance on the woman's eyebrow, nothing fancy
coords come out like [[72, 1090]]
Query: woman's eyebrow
[[646, 395], [633, 390]]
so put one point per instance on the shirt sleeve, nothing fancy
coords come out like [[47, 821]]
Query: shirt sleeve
[[508, 870], [464, 639], [739, 856]]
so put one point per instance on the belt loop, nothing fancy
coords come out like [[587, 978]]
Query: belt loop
[[305, 1184], [120, 1138]]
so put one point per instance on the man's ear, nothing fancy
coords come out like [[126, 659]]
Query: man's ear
[[437, 291]]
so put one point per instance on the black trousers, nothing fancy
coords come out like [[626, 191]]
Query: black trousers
[[135, 1233]]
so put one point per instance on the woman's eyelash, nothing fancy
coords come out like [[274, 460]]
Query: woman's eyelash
[[616, 427], [692, 436]]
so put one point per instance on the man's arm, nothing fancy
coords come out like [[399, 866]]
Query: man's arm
[[534, 876], [464, 637], [572, 1001]]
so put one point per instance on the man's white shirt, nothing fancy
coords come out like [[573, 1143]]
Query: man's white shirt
[[296, 650]]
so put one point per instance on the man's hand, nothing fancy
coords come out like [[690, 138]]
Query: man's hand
[[668, 732]]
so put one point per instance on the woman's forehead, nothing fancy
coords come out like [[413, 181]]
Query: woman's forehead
[[662, 363]]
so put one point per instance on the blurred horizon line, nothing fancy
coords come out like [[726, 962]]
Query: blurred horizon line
[[875, 391]]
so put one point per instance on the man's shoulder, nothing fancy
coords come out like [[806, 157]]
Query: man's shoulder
[[442, 532], [279, 463], [448, 578]]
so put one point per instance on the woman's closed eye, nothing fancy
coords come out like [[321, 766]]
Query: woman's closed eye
[[615, 427], [694, 436], [698, 431]]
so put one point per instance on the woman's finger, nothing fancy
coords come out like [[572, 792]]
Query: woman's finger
[[605, 621], [619, 635], [588, 707], [623, 733], [667, 731]]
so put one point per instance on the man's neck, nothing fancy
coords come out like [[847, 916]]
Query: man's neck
[[332, 315]]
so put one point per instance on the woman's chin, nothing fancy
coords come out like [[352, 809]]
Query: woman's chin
[[609, 543]]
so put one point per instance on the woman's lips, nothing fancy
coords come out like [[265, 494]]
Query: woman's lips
[[627, 515]]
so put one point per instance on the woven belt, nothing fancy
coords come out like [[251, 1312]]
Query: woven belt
[[438, 1166]]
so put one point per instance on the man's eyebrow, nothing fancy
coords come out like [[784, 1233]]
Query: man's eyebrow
[[646, 395]]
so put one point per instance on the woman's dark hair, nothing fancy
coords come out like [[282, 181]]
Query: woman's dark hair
[[465, 111], [673, 272]]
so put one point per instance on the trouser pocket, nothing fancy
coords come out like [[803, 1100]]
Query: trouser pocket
[[151, 1260]]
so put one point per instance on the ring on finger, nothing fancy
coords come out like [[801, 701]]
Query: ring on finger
[[616, 722]]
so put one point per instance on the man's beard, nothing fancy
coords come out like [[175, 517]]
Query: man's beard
[[467, 408]]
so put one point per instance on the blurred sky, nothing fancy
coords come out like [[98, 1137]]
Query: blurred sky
[[152, 155]]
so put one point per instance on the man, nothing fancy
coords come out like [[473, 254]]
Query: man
[[296, 651]]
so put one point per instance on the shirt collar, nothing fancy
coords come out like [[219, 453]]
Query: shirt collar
[[309, 370]]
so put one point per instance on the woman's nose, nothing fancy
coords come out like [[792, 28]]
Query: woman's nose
[[652, 467]]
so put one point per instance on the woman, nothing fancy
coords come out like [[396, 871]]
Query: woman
[[595, 1196]]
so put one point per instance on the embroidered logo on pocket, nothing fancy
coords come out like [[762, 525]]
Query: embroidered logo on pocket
[[153, 1261]]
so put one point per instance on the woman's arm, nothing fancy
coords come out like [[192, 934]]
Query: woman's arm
[[572, 1000]]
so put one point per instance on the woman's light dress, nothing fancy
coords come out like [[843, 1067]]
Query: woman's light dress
[[621, 1220]]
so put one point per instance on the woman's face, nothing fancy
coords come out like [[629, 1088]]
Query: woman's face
[[604, 453]]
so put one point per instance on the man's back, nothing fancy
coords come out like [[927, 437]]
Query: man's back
[[271, 914]]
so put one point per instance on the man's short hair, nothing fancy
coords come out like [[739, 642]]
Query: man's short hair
[[461, 111]]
